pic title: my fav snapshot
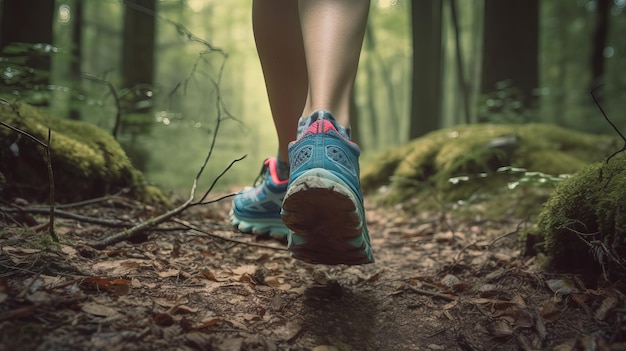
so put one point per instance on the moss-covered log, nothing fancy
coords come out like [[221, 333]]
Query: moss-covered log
[[428, 163], [87, 161]]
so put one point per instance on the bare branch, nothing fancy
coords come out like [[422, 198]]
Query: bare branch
[[196, 229], [593, 96], [116, 98]]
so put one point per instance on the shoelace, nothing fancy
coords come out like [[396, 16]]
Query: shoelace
[[262, 174]]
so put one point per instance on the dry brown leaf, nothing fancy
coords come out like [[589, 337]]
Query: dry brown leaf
[[120, 267], [163, 319], [549, 311], [211, 323], [606, 305], [19, 250], [173, 272], [97, 309]]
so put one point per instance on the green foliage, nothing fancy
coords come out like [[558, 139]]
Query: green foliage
[[504, 105], [23, 73], [584, 222]]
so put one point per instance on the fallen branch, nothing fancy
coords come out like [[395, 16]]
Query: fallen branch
[[67, 215], [204, 232]]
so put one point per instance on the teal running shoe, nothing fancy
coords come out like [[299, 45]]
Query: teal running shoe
[[323, 206], [256, 210]]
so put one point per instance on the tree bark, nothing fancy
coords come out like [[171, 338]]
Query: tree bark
[[29, 22], [598, 43], [427, 56], [138, 47], [510, 47]]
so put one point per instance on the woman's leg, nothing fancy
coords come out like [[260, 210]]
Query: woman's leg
[[333, 33], [281, 52]]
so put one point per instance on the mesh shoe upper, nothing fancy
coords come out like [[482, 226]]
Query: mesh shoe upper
[[257, 209], [340, 155], [265, 199]]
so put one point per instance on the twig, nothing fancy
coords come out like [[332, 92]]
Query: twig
[[68, 215], [53, 234], [92, 200], [196, 229], [432, 293], [113, 91], [593, 96]]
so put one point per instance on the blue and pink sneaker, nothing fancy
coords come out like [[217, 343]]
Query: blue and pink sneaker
[[323, 206], [256, 210]]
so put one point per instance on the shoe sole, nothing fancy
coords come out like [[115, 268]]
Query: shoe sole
[[327, 228], [272, 227]]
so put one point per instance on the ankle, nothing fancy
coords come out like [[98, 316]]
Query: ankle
[[282, 169]]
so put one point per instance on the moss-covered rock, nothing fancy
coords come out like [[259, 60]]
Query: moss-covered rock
[[87, 162], [584, 222], [474, 153]]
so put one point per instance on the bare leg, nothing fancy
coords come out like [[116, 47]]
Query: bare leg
[[281, 52], [333, 33]]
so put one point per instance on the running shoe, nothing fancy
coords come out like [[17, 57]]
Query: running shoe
[[323, 206], [256, 210]]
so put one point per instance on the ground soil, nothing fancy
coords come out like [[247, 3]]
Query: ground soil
[[439, 283]]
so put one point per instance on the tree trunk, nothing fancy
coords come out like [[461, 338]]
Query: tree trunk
[[598, 44], [29, 22], [138, 47], [77, 56], [427, 56], [510, 47]]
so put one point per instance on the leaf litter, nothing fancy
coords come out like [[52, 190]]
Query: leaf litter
[[439, 283]]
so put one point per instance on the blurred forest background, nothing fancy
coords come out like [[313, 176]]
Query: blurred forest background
[[159, 73]]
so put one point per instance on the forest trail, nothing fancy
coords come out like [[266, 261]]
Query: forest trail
[[439, 283]]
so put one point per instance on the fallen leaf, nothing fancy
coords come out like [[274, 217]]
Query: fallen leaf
[[19, 250], [209, 276], [169, 273], [211, 323], [163, 319], [98, 309], [561, 286], [607, 304]]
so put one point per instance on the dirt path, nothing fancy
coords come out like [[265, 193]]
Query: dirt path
[[438, 284]]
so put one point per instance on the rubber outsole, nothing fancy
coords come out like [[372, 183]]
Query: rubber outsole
[[326, 219], [271, 227]]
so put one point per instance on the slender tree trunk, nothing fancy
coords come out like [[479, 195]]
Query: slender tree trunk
[[138, 47], [77, 55], [460, 62], [427, 57], [510, 47], [370, 46], [29, 22], [598, 44]]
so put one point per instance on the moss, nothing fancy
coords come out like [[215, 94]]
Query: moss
[[87, 161], [428, 163], [585, 211]]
